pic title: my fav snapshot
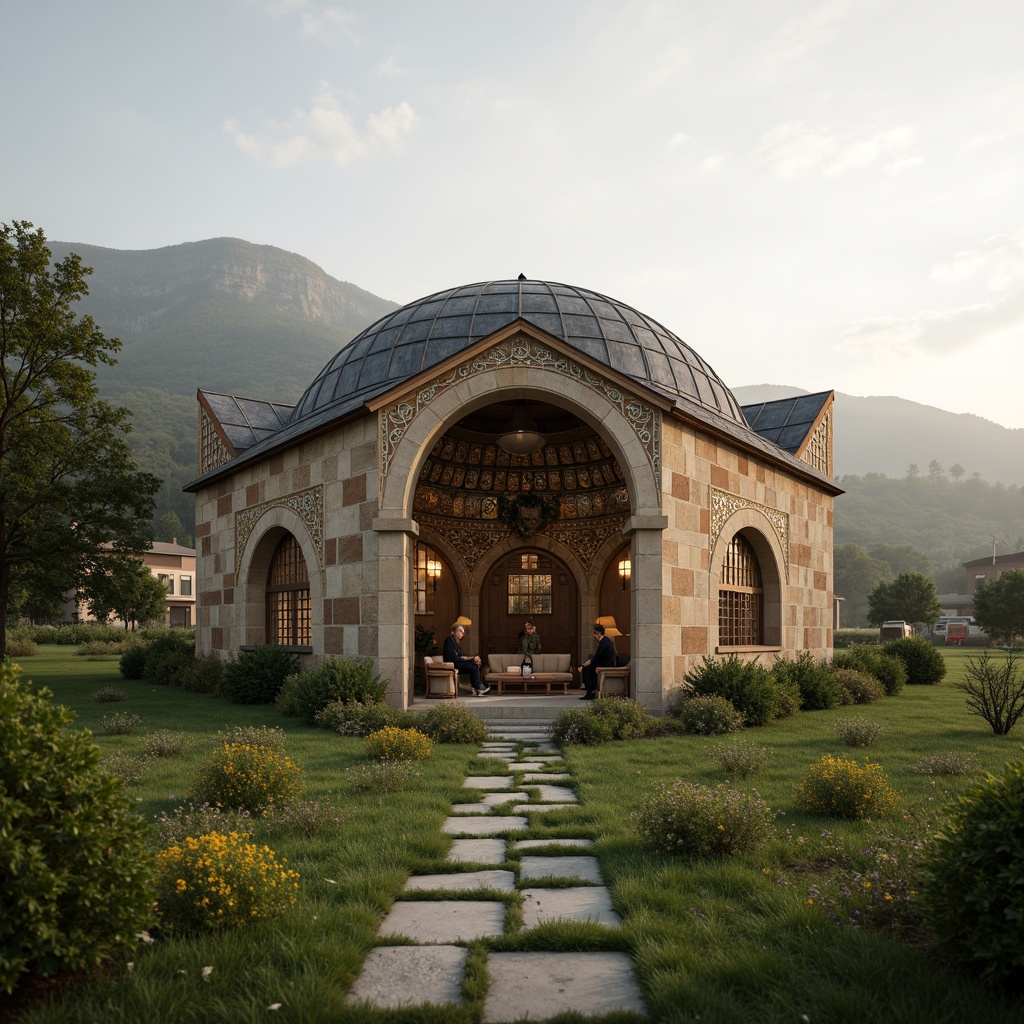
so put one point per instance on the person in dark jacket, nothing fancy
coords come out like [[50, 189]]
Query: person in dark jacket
[[604, 655], [471, 666]]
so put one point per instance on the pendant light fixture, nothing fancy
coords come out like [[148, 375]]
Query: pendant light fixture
[[521, 436]]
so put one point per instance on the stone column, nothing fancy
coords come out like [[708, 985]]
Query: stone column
[[648, 661], [395, 542]]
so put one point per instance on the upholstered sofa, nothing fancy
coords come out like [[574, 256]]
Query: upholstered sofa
[[548, 670]]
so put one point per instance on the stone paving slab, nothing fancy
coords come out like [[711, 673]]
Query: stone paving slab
[[586, 869], [484, 825], [537, 986], [593, 903], [477, 851], [544, 808], [525, 766], [532, 844], [490, 800], [488, 782], [556, 794], [445, 921], [468, 879], [545, 777], [397, 976]]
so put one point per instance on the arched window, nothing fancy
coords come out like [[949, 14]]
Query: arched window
[[740, 597], [289, 619]]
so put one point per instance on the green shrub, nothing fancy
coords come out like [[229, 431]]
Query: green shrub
[[120, 723], [307, 818], [221, 881], [202, 674], [707, 715], [99, 650], [855, 732], [947, 763], [256, 676], [845, 789], [252, 736], [921, 658], [109, 695], [973, 887], [335, 679], [72, 634], [133, 661], [167, 654], [21, 648], [886, 668], [362, 719], [627, 719], [251, 777], [748, 685], [857, 687], [817, 688], [578, 727], [740, 758], [164, 743], [76, 874], [451, 722], [391, 744], [382, 776], [842, 638], [129, 768], [192, 820], [698, 821]]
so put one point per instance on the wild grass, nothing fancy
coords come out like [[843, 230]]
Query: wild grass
[[724, 942]]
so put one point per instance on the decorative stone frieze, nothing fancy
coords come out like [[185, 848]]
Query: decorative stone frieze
[[307, 504], [524, 352], [725, 505]]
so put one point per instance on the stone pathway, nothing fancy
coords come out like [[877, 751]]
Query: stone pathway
[[532, 986]]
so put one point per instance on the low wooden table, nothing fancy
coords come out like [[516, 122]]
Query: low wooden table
[[500, 680]]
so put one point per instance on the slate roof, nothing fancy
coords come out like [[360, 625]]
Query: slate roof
[[786, 422], [247, 421]]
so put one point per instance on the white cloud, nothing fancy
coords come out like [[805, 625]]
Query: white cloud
[[315, 20], [793, 148], [390, 68], [325, 131], [999, 261]]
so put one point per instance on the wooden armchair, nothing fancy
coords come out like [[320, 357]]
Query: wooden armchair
[[442, 677], [613, 681]]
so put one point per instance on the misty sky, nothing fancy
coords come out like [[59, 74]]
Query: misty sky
[[828, 195]]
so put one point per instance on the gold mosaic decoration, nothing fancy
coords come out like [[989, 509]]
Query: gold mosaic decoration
[[725, 505], [308, 505], [643, 418], [212, 452]]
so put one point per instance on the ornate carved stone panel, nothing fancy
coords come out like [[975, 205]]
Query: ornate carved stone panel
[[725, 505], [308, 505], [644, 419]]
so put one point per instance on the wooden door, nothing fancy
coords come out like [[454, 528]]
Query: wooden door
[[535, 585]]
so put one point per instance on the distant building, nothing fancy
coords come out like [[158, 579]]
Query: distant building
[[981, 570], [175, 566]]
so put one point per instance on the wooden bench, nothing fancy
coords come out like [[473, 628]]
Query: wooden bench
[[548, 670]]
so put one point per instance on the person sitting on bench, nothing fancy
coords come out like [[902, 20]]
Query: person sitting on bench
[[605, 655], [471, 666]]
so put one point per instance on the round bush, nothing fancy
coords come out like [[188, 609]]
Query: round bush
[[578, 727], [109, 695], [21, 649], [221, 881], [888, 670], [362, 719], [698, 821], [845, 789], [335, 679], [748, 685], [973, 888], [202, 674], [76, 873], [166, 653], [391, 744], [133, 661], [450, 722], [923, 660], [857, 687], [817, 688], [627, 719], [256, 676], [707, 716], [242, 775]]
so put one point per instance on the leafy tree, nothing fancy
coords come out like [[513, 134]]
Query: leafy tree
[[999, 606], [956, 471], [856, 575], [910, 597], [903, 558], [935, 468], [69, 488], [126, 588]]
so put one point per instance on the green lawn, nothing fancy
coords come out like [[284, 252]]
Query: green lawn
[[731, 942]]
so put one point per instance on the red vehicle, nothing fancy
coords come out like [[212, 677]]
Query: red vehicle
[[956, 633]]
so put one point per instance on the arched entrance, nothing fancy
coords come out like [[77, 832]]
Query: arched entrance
[[528, 583]]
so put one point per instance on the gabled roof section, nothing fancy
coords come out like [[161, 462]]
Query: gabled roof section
[[801, 425], [230, 425]]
